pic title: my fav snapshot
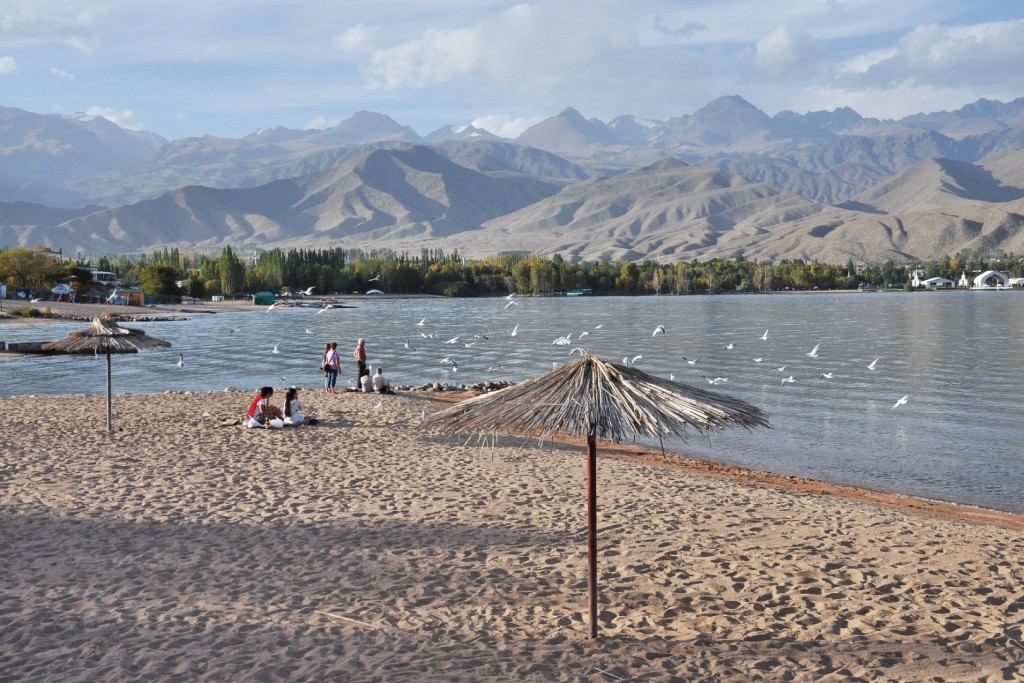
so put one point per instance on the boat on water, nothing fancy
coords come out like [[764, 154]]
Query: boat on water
[[579, 292]]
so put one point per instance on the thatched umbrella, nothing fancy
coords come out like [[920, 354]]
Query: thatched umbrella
[[105, 336], [598, 399]]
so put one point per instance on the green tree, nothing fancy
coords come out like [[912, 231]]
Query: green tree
[[28, 267], [159, 280]]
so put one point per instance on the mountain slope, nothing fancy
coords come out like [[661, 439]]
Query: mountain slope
[[934, 183]]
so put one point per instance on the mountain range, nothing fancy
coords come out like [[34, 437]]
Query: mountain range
[[726, 181]]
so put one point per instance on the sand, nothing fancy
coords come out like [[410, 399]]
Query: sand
[[366, 549]]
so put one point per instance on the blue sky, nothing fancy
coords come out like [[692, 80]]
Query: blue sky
[[228, 68]]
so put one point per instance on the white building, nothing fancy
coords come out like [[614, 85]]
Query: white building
[[937, 283], [964, 282], [991, 279]]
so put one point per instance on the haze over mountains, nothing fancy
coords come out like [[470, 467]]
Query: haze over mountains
[[724, 181]]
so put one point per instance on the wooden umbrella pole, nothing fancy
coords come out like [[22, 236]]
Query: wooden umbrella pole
[[592, 530], [110, 406]]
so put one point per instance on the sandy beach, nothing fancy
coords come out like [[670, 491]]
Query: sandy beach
[[364, 548]]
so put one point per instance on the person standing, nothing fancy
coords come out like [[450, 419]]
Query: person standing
[[331, 364], [360, 355]]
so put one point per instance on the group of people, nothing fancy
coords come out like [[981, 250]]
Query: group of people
[[263, 413], [331, 364]]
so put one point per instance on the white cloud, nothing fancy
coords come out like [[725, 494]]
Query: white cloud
[[125, 119], [322, 123], [505, 126], [29, 26], [8, 65], [788, 53], [61, 73], [359, 38], [437, 57], [950, 56]]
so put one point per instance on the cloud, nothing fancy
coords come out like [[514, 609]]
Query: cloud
[[685, 31], [61, 73], [359, 38], [439, 56], [125, 119], [8, 65], [788, 53], [29, 27], [322, 123], [504, 125], [938, 56]]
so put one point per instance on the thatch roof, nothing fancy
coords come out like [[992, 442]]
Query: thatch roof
[[608, 400], [105, 336]]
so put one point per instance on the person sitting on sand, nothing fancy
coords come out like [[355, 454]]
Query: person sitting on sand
[[366, 383], [293, 410], [261, 410], [381, 385]]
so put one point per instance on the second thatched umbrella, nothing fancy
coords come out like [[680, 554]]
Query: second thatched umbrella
[[107, 337], [598, 399]]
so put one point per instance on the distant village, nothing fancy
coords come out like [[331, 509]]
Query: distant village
[[990, 279]]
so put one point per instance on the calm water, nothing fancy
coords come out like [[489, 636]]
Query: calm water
[[957, 354]]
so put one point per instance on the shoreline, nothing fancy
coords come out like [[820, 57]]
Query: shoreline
[[367, 547]]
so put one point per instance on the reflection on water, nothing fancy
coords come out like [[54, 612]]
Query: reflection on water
[[957, 354]]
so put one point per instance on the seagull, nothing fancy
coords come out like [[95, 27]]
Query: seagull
[[308, 291], [729, 347], [825, 375], [309, 331], [782, 369], [871, 365], [453, 340], [511, 294], [515, 330], [421, 323], [181, 361], [563, 341], [234, 329], [901, 402], [813, 353], [691, 362], [374, 278], [597, 327], [409, 345], [510, 303], [788, 380], [468, 344], [717, 380], [325, 308], [764, 337], [581, 335], [671, 377], [659, 328], [449, 359], [758, 360], [480, 336], [575, 349], [275, 349], [271, 307], [635, 359]]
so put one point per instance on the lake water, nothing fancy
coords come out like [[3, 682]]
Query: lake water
[[957, 354]]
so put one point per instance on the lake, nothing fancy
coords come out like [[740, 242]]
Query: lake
[[957, 355]]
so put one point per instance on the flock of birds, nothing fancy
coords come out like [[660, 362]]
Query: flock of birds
[[462, 343]]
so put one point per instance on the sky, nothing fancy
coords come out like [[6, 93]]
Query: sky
[[229, 68]]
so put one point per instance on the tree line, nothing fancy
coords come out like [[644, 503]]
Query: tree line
[[171, 273]]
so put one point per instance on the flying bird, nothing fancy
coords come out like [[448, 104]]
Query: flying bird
[[581, 335], [635, 358], [659, 328], [764, 337], [575, 349], [563, 341], [515, 330], [325, 308], [511, 294], [271, 307], [788, 380], [813, 353], [597, 327], [825, 375], [871, 365], [453, 340], [691, 362], [408, 345], [275, 349], [181, 361], [901, 402], [234, 329], [374, 278], [758, 360], [308, 291], [510, 303], [782, 369], [309, 331], [729, 347], [421, 323], [716, 380]]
